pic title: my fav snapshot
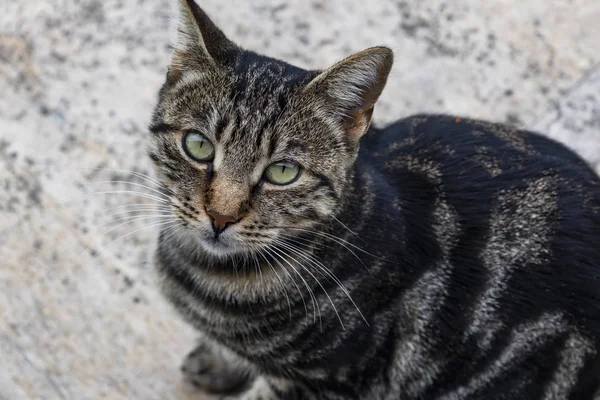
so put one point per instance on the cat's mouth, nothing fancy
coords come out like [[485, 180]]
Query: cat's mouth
[[221, 245]]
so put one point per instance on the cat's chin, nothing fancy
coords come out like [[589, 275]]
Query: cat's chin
[[218, 248]]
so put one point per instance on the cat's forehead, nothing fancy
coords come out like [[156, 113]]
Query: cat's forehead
[[262, 86], [252, 68], [255, 114], [253, 134]]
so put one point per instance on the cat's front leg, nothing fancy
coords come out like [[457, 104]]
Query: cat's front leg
[[268, 388], [212, 368], [216, 370]]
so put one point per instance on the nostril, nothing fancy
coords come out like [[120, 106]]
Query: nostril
[[220, 221]]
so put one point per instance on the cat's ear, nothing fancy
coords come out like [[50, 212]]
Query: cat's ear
[[350, 88], [198, 42]]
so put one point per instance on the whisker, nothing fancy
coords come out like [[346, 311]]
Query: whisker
[[333, 237], [343, 245], [134, 205], [138, 185], [316, 309], [132, 193], [341, 242], [132, 218], [174, 229], [313, 260], [147, 178], [139, 229], [256, 265], [128, 222], [287, 297], [349, 230], [88, 248], [303, 241], [139, 209], [293, 280]]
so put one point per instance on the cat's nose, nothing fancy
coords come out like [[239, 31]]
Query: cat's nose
[[220, 221]]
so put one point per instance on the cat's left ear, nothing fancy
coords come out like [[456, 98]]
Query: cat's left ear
[[198, 42], [349, 89]]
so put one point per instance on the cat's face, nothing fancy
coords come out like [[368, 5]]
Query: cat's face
[[261, 156], [253, 150]]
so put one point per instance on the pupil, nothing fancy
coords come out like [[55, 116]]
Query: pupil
[[283, 168]]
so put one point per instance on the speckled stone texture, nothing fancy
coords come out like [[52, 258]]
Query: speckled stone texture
[[80, 314]]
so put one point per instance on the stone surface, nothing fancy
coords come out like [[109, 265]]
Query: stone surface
[[81, 315], [575, 119]]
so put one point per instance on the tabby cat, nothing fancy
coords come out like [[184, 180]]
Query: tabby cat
[[321, 258]]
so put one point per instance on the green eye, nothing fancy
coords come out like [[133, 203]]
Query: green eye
[[282, 173], [198, 147]]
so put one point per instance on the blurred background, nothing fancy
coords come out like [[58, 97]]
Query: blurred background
[[80, 315]]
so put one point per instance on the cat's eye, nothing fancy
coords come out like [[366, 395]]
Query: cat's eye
[[282, 173], [198, 147]]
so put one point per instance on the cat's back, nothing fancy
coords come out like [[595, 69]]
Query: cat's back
[[506, 184], [516, 217], [460, 143], [474, 157]]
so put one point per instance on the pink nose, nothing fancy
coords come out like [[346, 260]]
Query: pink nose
[[220, 221]]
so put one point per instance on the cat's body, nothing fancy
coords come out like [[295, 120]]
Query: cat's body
[[452, 259]]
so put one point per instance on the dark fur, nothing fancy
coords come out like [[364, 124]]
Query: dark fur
[[471, 249]]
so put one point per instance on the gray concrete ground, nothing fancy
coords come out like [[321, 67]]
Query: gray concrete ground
[[80, 316]]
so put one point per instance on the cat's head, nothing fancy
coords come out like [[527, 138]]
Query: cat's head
[[250, 147]]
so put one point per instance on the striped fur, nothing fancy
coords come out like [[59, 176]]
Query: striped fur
[[443, 258]]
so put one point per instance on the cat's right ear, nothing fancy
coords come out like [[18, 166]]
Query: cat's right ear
[[349, 89], [198, 43]]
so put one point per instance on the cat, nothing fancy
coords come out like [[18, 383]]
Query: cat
[[320, 257]]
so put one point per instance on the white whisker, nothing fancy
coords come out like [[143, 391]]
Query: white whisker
[[293, 280], [171, 217], [314, 261], [256, 265], [349, 230], [134, 205], [304, 241], [132, 193], [174, 229], [139, 229], [138, 185], [147, 178], [139, 209], [282, 255], [132, 218], [287, 297], [341, 242]]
